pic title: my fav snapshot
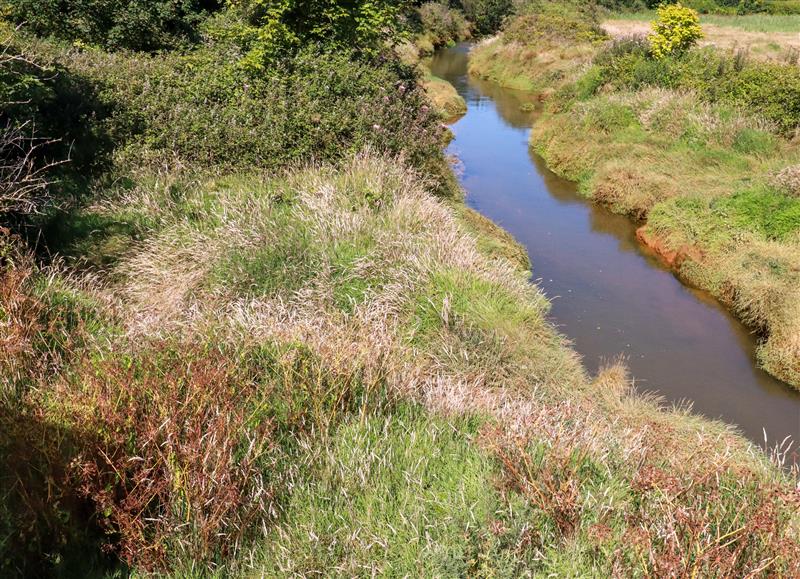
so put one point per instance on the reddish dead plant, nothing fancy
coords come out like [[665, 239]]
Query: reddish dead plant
[[20, 315], [550, 482], [713, 525], [175, 470]]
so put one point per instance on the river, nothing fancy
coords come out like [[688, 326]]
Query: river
[[610, 297]]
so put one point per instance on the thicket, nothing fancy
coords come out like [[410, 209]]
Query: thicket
[[318, 104], [207, 107], [114, 24], [487, 15], [441, 24], [553, 22]]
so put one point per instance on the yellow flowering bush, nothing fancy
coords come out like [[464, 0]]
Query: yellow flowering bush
[[676, 30]]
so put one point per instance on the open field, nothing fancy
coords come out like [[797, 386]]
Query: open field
[[788, 23], [772, 37]]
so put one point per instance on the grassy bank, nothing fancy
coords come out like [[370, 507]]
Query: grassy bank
[[688, 146], [261, 335], [383, 389]]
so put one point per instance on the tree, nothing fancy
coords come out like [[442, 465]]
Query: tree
[[280, 26]]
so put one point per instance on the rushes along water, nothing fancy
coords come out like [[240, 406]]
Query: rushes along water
[[609, 296]]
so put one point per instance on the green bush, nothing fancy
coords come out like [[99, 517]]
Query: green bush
[[487, 15], [274, 27], [135, 24], [676, 30], [203, 108], [751, 7], [769, 90], [551, 22], [783, 6], [442, 24]]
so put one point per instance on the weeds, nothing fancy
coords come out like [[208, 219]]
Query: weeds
[[177, 470]]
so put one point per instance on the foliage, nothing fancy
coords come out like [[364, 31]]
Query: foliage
[[316, 105], [275, 27], [553, 23], [676, 30], [750, 7], [134, 24], [772, 90], [441, 24], [487, 15], [769, 90], [23, 87]]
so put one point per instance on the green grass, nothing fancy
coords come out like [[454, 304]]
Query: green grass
[[763, 210], [276, 264], [351, 286], [492, 239], [461, 300], [405, 494], [747, 22], [443, 96]]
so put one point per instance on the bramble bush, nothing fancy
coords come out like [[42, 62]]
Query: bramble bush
[[204, 109], [114, 24], [676, 30]]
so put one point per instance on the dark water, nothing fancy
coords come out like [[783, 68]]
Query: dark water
[[609, 296]]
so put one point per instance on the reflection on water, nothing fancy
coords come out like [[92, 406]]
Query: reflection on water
[[609, 296]]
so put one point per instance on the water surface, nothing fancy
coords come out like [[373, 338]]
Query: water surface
[[610, 297]]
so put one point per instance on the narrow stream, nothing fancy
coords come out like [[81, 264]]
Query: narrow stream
[[609, 296]]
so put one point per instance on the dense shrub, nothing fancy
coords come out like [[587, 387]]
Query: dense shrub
[[135, 24], [675, 31], [442, 24], [769, 90], [51, 128], [318, 105], [205, 108], [487, 15], [783, 6], [23, 87], [274, 28], [554, 22], [772, 90]]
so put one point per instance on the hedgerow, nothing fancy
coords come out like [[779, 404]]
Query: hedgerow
[[114, 24]]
